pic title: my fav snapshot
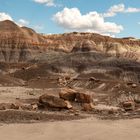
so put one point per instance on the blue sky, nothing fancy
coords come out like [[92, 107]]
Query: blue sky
[[118, 18]]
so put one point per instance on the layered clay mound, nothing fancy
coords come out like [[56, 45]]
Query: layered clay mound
[[8, 26], [84, 42], [82, 63], [21, 44], [84, 46], [9, 30], [18, 44]]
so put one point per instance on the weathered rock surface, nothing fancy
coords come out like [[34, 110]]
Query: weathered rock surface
[[52, 101], [73, 95], [68, 94]]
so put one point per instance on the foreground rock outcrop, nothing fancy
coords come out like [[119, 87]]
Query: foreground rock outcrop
[[68, 94], [68, 99], [54, 102]]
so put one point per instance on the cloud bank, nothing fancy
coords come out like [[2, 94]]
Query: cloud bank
[[46, 2], [72, 19], [5, 16], [120, 8]]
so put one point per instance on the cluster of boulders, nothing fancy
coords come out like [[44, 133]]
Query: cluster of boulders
[[65, 100], [67, 97]]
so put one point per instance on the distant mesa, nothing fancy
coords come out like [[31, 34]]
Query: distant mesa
[[22, 44]]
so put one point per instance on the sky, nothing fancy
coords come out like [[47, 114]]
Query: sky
[[117, 18]]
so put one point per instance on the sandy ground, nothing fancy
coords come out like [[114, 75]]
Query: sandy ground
[[10, 94], [87, 129], [84, 129], [13, 94]]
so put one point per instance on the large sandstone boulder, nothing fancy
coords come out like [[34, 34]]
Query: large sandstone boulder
[[68, 94], [52, 101], [73, 95]]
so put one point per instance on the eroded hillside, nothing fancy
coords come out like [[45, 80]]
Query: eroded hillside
[[21, 44]]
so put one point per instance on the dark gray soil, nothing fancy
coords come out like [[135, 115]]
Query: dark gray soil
[[12, 116]]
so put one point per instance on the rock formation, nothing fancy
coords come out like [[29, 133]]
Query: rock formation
[[20, 44]]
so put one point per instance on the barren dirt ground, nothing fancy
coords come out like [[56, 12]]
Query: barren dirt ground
[[87, 129], [84, 129], [11, 94]]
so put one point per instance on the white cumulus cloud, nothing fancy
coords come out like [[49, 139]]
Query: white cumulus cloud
[[5, 16], [72, 19], [23, 22], [114, 10], [46, 2], [120, 8], [132, 10]]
